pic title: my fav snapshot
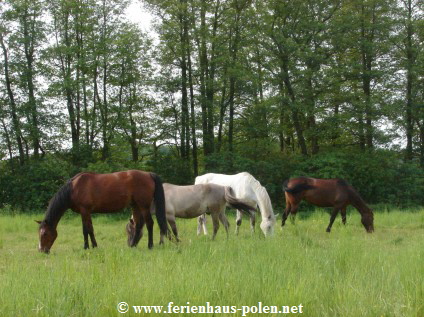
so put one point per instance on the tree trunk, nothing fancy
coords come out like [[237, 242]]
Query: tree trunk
[[410, 78], [8, 143], [203, 65], [29, 76], [295, 113], [422, 145], [281, 117], [192, 114], [222, 110], [311, 113], [185, 136], [13, 110], [367, 60]]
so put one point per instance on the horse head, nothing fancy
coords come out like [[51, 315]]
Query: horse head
[[368, 221], [267, 225], [47, 235], [130, 228]]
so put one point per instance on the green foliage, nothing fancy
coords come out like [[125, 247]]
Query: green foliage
[[270, 172], [171, 168], [379, 176], [31, 186], [103, 167]]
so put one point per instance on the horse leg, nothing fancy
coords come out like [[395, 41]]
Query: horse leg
[[291, 208], [161, 238], [343, 213], [293, 217], [333, 216], [87, 229], [138, 227], [252, 221], [85, 233], [238, 221], [201, 224], [285, 215], [224, 221], [173, 225], [149, 224], [215, 221], [293, 211], [92, 238]]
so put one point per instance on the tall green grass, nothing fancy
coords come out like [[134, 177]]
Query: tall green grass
[[345, 273]]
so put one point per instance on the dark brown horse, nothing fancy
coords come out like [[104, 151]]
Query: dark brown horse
[[335, 193], [88, 193]]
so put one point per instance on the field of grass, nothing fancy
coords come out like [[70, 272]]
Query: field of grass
[[345, 273]]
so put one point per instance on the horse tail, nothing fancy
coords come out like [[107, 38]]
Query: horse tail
[[298, 188], [159, 200], [59, 203], [237, 203]]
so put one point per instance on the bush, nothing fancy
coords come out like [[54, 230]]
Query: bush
[[31, 186], [379, 176]]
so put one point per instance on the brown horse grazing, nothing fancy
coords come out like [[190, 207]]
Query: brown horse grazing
[[335, 193], [88, 193]]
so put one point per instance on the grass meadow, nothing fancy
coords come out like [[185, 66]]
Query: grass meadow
[[345, 273]]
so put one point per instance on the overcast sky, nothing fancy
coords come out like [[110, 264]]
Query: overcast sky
[[137, 14]]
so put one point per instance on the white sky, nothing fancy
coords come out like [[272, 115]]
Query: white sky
[[137, 14]]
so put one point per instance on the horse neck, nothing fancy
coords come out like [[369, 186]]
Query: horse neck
[[52, 219], [60, 202], [264, 202], [358, 202]]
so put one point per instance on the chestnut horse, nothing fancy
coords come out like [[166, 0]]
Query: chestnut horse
[[335, 193], [88, 193]]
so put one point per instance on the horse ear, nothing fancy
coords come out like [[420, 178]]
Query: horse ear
[[38, 221]]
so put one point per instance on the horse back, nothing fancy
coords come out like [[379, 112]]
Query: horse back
[[328, 193], [242, 184], [192, 200], [112, 192]]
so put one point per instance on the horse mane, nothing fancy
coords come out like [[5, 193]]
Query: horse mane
[[342, 182], [356, 199], [60, 202], [260, 192]]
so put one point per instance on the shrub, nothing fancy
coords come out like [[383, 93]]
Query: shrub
[[31, 186]]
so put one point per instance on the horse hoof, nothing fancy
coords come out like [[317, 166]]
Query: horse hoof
[[328, 230]]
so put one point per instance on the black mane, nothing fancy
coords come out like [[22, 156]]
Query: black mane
[[60, 202]]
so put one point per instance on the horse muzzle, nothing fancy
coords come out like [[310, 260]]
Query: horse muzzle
[[44, 250]]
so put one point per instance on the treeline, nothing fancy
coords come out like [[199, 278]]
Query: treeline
[[326, 88]]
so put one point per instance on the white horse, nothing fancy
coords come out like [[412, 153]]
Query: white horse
[[195, 200], [247, 188]]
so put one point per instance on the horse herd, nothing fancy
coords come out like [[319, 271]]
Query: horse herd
[[144, 192]]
